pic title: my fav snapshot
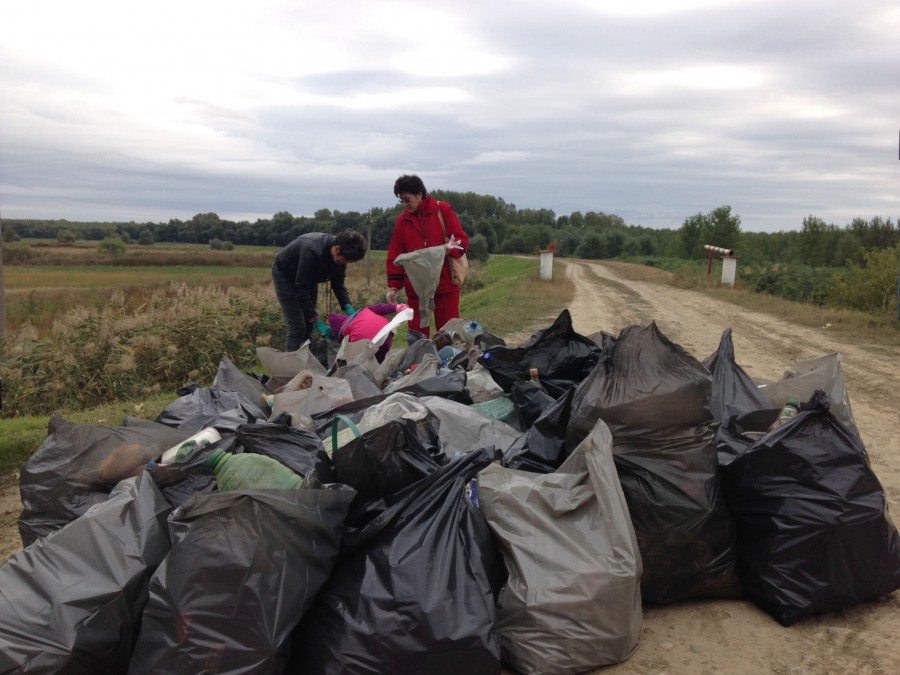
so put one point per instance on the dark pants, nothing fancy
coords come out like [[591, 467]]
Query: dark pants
[[299, 329]]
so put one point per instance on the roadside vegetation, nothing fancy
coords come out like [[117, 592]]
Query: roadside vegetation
[[97, 343]]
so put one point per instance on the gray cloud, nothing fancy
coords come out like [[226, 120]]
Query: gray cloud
[[780, 110]]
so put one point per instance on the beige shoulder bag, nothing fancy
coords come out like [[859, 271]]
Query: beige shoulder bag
[[459, 267]]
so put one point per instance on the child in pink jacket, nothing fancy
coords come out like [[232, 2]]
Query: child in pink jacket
[[364, 324]]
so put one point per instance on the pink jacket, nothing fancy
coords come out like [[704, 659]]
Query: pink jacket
[[363, 325]]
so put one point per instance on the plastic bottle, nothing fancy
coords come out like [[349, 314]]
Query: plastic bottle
[[790, 410], [251, 471], [187, 447], [470, 331]]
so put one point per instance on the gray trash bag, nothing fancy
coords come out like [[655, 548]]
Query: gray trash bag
[[572, 602], [78, 465], [423, 269], [654, 397], [821, 373], [463, 429], [243, 569], [72, 602], [230, 378]]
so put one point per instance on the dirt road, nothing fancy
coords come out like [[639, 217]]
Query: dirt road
[[734, 636]]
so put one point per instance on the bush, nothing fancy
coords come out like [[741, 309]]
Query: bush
[[219, 245], [66, 237], [871, 287], [112, 246], [146, 237], [96, 356], [800, 283]]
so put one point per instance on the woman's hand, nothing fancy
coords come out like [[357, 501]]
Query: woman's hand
[[453, 244]]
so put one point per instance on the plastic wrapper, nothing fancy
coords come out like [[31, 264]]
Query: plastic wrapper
[[78, 465], [413, 591], [572, 602], [72, 602], [813, 518], [654, 397]]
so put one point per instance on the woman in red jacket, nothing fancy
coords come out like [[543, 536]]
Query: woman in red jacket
[[418, 226]]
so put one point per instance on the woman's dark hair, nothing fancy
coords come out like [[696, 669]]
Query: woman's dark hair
[[352, 243], [410, 184]]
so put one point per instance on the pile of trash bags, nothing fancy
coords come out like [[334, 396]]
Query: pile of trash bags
[[459, 512]]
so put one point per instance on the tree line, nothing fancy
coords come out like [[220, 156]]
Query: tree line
[[496, 226]]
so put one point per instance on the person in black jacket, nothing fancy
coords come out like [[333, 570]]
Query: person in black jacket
[[299, 268]]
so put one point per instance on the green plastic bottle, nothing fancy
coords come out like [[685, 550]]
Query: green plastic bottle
[[251, 471]]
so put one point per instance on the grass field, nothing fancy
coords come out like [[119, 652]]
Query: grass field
[[145, 322]]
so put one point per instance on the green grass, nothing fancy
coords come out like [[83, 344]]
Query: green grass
[[20, 436]]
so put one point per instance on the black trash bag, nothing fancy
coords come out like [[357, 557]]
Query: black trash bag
[[542, 447], [179, 481], [414, 589], [447, 384], [531, 400], [180, 484], [299, 450], [562, 356], [486, 339], [78, 465], [243, 569], [230, 378], [211, 407], [731, 444], [416, 352], [389, 458], [654, 397], [735, 400], [815, 534], [72, 602]]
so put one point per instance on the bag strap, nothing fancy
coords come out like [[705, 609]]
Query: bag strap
[[334, 429], [441, 218]]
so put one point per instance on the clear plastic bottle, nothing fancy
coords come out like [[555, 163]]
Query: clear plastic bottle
[[470, 331], [790, 410], [187, 447], [251, 471]]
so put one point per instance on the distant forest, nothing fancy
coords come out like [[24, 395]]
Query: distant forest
[[496, 226]]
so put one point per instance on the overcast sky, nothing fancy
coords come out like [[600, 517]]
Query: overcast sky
[[654, 110]]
